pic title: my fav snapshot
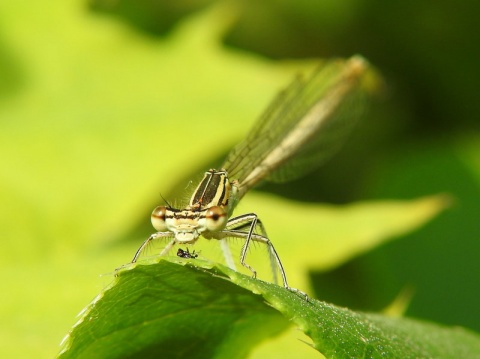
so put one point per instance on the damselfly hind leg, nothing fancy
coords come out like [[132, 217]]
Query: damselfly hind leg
[[245, 227]]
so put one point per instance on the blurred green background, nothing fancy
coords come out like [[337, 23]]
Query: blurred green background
[[104, 105]]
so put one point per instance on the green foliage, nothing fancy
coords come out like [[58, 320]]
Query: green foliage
[[171, 312], [97, 119], [200, 310]]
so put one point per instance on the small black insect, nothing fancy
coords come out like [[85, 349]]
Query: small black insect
[[186, 254]]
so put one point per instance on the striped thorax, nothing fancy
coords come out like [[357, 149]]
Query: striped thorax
[[206, 214]]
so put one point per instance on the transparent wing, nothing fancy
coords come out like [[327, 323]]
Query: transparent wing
[[304, 125]]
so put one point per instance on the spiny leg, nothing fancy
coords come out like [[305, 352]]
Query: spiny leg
[[167, 248], [151, 238], [275, 263], [237, 227], [251, 220], [227, 254], [247, 244]]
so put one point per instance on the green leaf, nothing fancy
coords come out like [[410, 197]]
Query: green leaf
[[195, 309], [165, 310]]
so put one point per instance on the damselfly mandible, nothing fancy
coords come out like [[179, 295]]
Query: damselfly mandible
[[302, 127]]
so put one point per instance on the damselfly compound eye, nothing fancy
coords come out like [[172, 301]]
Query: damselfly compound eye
[[158, 218], [215, 218]]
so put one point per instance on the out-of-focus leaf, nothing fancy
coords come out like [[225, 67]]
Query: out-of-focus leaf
[[329, 235], [441, 255]]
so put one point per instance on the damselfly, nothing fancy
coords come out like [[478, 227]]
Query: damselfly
[[303, 125]]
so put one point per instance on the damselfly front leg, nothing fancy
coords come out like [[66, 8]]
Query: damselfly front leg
[[151, 238]]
